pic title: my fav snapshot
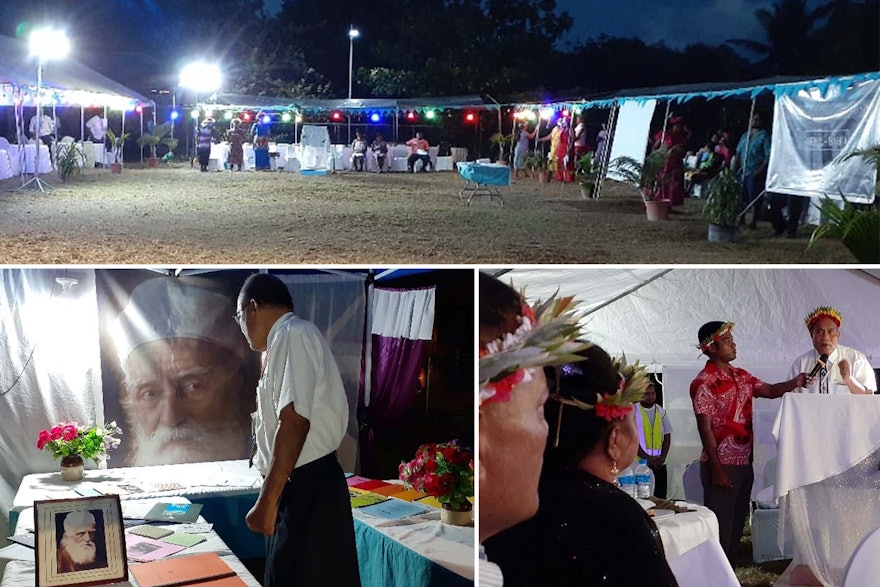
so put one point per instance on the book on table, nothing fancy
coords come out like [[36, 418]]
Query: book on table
[[174, 512], [193, 569]]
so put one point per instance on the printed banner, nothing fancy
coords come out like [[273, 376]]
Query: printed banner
[[814, 130]]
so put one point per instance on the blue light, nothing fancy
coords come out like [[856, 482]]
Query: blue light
[[375, 117], [266, 119], [175, 115]]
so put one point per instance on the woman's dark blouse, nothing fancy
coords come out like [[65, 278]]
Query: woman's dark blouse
[[586, 532]]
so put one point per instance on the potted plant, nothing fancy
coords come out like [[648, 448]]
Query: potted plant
[[722, 208], [116, 143], [586, 174], [646, 178], [856, 225], [444, 471], [502, 143], [70, 160], [533, 162], [72, 442], [156, 138]]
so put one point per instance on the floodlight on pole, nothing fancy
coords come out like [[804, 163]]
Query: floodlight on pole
[[353, 34], [45, 44], [201, 78]]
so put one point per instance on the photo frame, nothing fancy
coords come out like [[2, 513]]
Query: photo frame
[[80, 541]]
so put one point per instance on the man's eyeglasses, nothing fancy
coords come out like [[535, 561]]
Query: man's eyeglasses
[[241, 313]]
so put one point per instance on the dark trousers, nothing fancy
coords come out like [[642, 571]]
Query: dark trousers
[[754, 185], [795, 206], [204, 158], [660, 481], [411, 161], [314, 542], [731, 505]]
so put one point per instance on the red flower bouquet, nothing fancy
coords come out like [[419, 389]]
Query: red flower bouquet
[[67, 439], [444, 471]]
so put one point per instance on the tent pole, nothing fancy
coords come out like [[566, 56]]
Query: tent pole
[[82, 124], [665, 120], [745, 160], [606, 151], [142, 134]]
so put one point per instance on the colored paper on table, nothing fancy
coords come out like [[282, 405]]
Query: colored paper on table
[[142, 549], [369, 484], [197, 528], [430, 501], [355, 479], [360, 498], [185, 540], [174, 512], [389, 490], [186, 570], [410, 495], [395, 509], [154, 532]]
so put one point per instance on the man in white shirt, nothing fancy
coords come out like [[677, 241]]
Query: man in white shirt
[[840, 369], [43, 128], [302, 412], [655, 437]]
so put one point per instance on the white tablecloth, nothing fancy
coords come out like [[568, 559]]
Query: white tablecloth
[[819, 436], [29, 153], [5, 165], [684, 531]]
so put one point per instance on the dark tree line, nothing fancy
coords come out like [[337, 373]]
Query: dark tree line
[[506, 48]]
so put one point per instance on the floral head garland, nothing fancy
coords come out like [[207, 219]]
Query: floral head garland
[[634, 381], [820, 313], [546, 336], [722, 330]]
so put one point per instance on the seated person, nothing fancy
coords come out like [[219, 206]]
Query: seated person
[[358, 152], [380, 151], [586, 531], [418, 151]]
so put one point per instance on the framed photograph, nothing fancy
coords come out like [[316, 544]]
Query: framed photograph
[[80, 541]]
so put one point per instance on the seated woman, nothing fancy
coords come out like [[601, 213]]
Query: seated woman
[[586, 531]]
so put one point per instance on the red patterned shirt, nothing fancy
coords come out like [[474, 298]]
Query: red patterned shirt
[[727, 400]]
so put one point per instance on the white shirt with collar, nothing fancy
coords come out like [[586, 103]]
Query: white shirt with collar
[[860, 370], [299, 369], [46, 125]]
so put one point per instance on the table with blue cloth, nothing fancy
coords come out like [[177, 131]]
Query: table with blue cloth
[[483, 179]]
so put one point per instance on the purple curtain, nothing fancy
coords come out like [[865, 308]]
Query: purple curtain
[[396, 366]]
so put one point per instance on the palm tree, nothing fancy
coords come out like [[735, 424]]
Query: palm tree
[[788, 27]]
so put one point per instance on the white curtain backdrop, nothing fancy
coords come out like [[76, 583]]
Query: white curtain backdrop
[[631, 131], [813, 130], [403, 313]]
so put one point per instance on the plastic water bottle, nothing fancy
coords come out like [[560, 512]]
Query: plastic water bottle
[[626, 480], [643, 479]]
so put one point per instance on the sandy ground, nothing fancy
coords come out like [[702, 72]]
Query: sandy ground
[[177, 215]]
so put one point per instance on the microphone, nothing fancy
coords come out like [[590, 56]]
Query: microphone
[[820, 364]]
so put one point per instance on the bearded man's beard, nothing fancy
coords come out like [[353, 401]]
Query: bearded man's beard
[[80, 554], [189, 442]]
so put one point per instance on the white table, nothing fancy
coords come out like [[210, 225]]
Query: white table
[[827, 484], [5, 165], [22, 573], [30, 151]]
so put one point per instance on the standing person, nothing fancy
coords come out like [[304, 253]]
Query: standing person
[[380, 151], [722, 399], [358, 152], [580, 139], [560, 138], [418, 151], [523, 136], [844, 370], [513, 390], [602, 143], [655, 437], [262, 131], [203, 143], [302, 412], [42, 128], [752, 159], [235, 138], [671, 177]]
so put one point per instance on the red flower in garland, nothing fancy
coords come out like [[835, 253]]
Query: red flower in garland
[[610, 411]]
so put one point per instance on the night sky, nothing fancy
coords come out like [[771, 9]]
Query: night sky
[[676, 22]]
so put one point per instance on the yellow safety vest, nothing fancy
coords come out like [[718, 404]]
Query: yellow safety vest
[[651, 433]]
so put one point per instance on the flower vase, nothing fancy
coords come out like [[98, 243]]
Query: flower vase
[[72, 468], [457, 517]]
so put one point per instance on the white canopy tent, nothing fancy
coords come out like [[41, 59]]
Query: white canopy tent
[[653, 313]]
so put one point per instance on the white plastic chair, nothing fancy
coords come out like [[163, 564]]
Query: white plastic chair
[[693, 487], [863, 567]]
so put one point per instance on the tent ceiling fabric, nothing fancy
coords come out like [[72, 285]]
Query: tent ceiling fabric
[[241, 101], [18, 68], [658, 320]]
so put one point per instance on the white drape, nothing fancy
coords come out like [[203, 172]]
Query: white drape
[[404, 313]]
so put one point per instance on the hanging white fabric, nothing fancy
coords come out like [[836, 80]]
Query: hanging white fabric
[[404, 313], [813, 130], [631, 131]]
